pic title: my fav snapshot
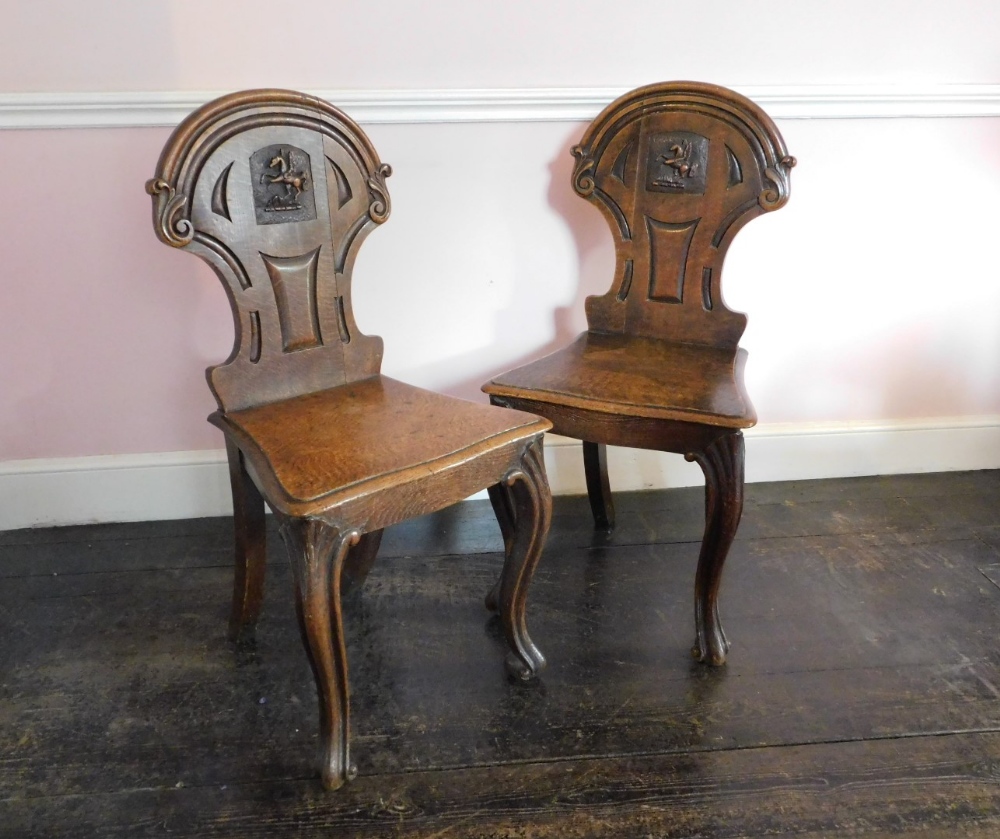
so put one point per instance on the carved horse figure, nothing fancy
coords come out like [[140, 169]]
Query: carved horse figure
[[294, 182], [679, 161]]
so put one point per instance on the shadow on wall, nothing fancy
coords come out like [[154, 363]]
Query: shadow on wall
[[594, 245], [594, 273]]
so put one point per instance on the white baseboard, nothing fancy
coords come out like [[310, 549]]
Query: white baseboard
[[174, 485]]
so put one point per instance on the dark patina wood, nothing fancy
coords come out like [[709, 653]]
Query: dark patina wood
[[865, 704], [677, 169], [276, 191]]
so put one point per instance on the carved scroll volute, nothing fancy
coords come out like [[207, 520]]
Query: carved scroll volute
[[583, 172], [173, 227], [380, 206], [776, 195]]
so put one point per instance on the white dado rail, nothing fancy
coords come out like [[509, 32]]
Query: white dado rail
[[159, 109]]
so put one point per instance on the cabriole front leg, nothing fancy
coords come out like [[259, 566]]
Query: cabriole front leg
[[722, 463], [531, 500], [250, 544], [317, 551]]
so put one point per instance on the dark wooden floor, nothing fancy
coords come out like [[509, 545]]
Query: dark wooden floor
[[861, 698]]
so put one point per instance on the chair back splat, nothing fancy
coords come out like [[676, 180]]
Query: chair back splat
[[677, 170], [276, 191]]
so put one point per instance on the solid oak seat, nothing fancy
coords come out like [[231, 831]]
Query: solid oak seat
[[338, 445], [276, 191], [630, 375]]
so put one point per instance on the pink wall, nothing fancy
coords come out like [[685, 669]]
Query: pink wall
[[103, 329], [109, 45], [874, 295]]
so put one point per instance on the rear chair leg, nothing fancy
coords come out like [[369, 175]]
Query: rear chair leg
[[595, 467], [251, 546], [503, 508], [722, 463]]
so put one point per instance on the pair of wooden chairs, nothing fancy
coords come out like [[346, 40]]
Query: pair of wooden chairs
[[276, 191]]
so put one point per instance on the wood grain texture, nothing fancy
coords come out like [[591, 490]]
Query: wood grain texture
[[338, 444], [863, 701], [633, 376]]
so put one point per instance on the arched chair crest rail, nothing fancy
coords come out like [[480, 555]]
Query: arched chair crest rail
[[676, 169], [276, 190]]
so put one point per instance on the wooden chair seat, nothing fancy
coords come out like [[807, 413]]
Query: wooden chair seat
[[630, 375], [342, 445], [276, 191]]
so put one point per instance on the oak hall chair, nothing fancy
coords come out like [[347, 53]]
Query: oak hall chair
[[676, 169], [276, 190]]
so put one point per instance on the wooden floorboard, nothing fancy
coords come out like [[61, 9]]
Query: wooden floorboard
[[861, 697]]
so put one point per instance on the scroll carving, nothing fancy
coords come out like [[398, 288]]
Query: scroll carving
[[172, 225], [583, 173], [380, 206], [776, 195]]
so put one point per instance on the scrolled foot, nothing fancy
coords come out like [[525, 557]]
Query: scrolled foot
[[711, 648], [711, 644], [334, 774], [519, 670]]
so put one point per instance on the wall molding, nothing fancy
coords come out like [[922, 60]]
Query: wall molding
[[167, 108], [172, 485]]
